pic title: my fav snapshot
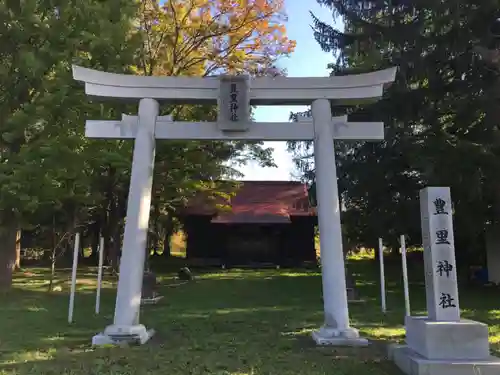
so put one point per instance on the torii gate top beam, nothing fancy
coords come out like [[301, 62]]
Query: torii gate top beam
[[350, 89]]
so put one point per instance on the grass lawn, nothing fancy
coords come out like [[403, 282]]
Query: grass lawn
[[229, 322]]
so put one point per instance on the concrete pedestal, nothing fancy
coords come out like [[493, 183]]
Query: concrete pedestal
[[334, 337], [116, 335], [412, 363], [465, 339], [442, 348]]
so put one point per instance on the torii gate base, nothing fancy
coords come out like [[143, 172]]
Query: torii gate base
[[233, 94]]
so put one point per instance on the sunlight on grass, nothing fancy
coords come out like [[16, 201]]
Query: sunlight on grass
[[36, 309], [299, 274], [494, 314], [235, 274], [494, 331], [54, 338], [232, 322], [31, 356], [194, 315], [300, 332], [362, 254], [384, 333], [250, 310], [256, 274]]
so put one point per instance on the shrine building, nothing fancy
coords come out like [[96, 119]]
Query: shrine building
[[262, 222]]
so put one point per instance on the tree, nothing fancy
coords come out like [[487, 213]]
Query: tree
[[202, 38], [55, 180], [440, 114], [42, 108], [205, 37]]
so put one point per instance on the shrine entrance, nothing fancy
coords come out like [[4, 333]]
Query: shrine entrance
[[234, 95], [252, 244]]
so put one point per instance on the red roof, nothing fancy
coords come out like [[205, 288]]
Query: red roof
[[258, 202]]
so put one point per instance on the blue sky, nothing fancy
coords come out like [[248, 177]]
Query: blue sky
[[307, 60]]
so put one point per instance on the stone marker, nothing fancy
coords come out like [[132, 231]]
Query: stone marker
[[442, 343], [439, 254], [150, 289], [352, 293]]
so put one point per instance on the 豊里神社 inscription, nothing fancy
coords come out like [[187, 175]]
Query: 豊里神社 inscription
[[439, 254], [234, 103]]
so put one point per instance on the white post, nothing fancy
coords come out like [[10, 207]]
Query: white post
[[73, 278], [99, 276], [128, 299], [405, 275], [382, 274], [336, 328]]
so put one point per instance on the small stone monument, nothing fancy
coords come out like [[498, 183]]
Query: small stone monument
[[149, 289], [352, 293], [185, 274], [442, 343]]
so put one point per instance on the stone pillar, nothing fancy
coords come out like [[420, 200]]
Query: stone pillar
[[442, 343], [336, 329], [128, 300], [439, 254]]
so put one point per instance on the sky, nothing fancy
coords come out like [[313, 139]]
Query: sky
[[308, 60]]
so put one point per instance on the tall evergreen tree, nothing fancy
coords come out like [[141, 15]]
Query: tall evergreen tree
[[440, 114]]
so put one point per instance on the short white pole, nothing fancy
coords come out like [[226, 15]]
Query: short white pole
[[73, 278], [99, 276], [405, 275], [382, 274]]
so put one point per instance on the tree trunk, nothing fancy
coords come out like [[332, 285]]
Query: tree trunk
[[374, 246], [53, 256], [156, 244], [18, 250], [95, 233], [154, 235], [166, 244], [114, 233], [115, 248], [169, 231], [52, 269], [8, 253]]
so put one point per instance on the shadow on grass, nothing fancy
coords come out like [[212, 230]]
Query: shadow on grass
[[214, 325], [34, 324], [224, 340], [228, 322]]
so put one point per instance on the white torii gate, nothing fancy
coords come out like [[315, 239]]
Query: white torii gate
[[234, 95]]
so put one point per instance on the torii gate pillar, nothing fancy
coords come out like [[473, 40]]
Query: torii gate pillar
[[336, 329], [128, 299]]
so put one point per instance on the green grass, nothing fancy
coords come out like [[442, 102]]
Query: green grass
[[234, 322]]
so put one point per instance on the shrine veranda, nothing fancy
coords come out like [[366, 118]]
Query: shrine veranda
[[234, 95]]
